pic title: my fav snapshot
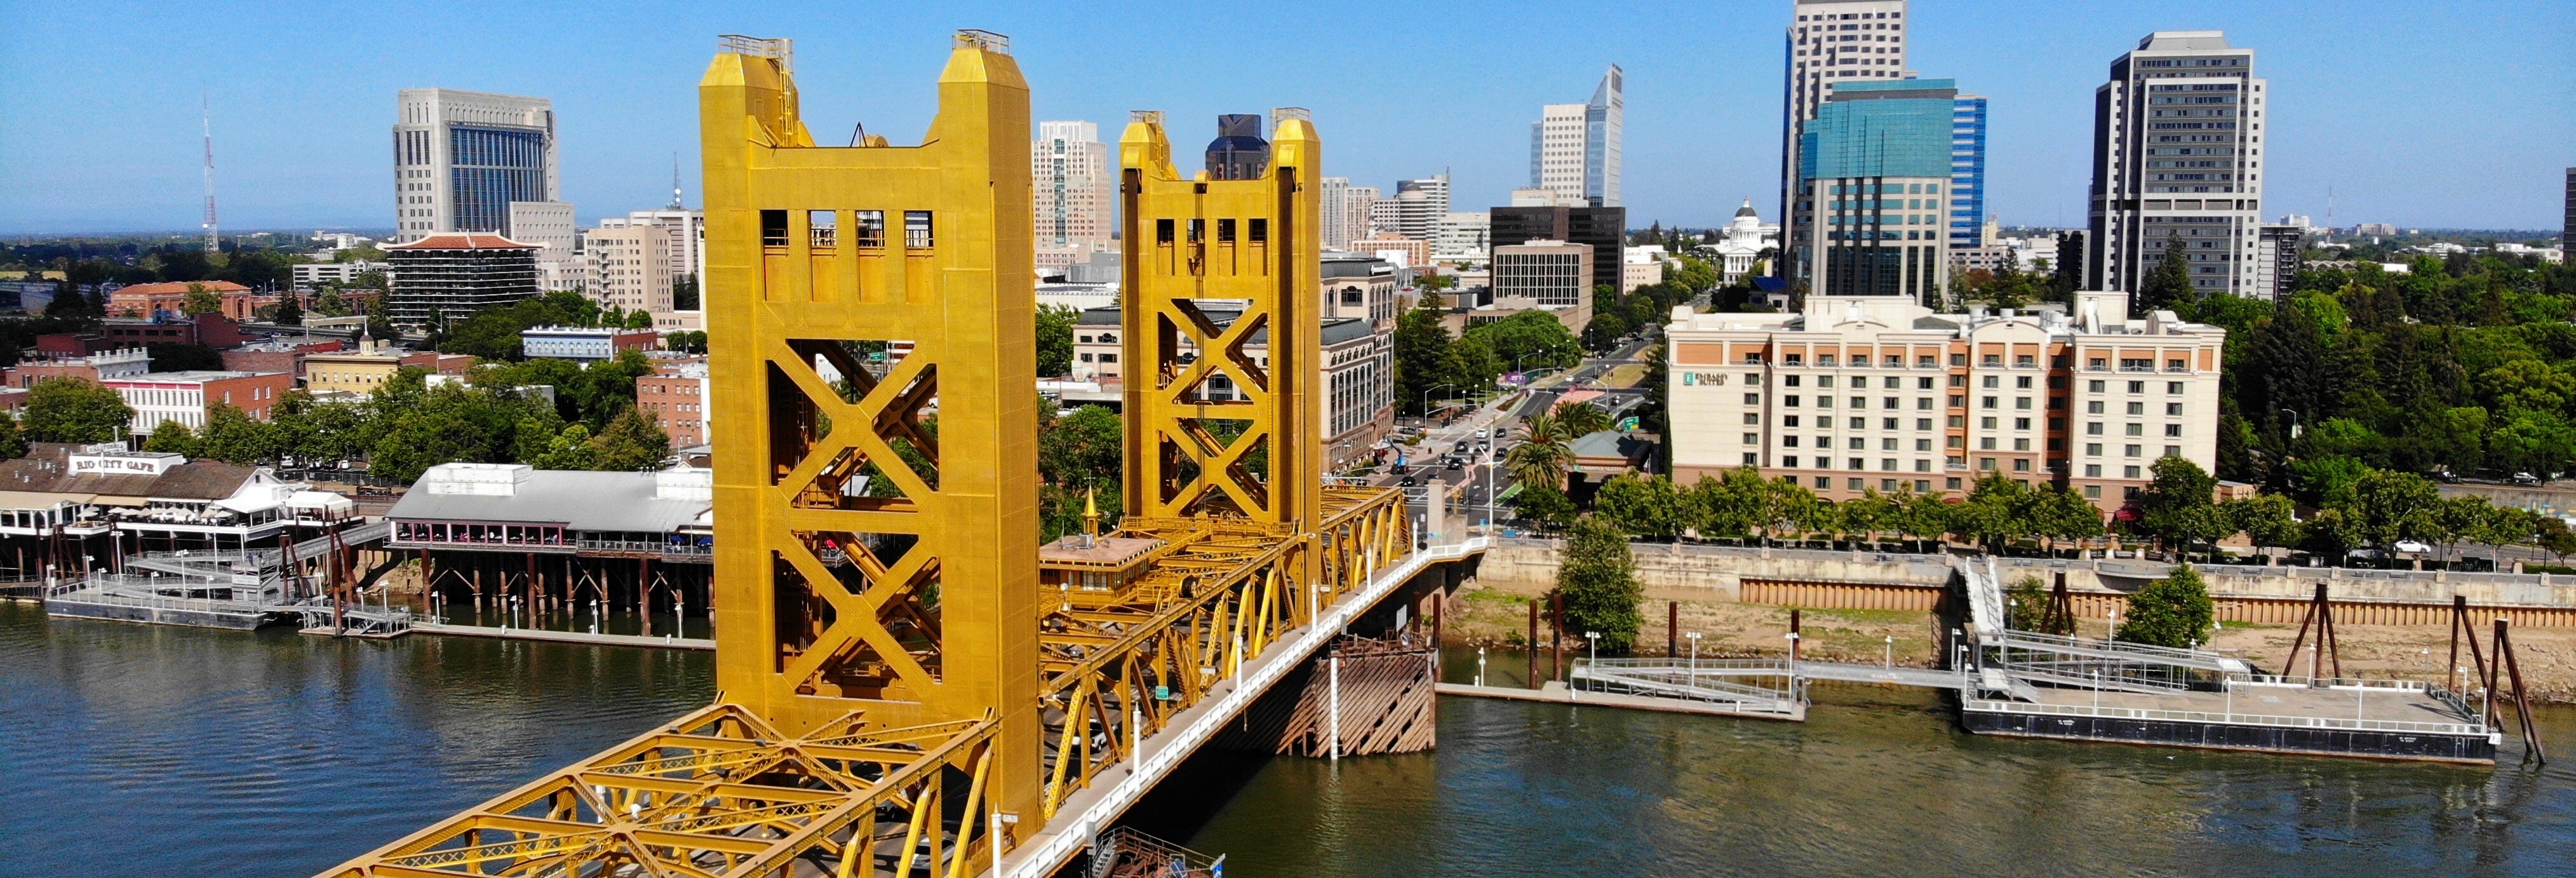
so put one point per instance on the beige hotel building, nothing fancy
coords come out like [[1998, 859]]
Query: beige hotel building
[[1877, 392]]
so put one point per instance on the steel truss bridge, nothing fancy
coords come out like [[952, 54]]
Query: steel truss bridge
[[908, 683]]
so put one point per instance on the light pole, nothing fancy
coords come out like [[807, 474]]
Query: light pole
[[1591, 653], [1426, 396], [1694, 659], [1480, 667], [1891, 652]]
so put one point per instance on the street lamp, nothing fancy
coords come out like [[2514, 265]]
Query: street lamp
[[1426, 396], [1591, 652], [1694, 659]]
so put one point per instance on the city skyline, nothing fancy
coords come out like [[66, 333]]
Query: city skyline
[[303, 135]]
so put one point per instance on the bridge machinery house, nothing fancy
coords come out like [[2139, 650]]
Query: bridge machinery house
[[76, 506], [560, 538]]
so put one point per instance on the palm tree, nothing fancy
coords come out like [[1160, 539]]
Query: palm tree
[[1542, 456], [1580, 418]]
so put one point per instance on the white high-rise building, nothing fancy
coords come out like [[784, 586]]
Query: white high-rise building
[[1574, 148], [2178, 156], [1832, 41], [1337, 229], [462, 157], [1075, 187], [1416, 210]]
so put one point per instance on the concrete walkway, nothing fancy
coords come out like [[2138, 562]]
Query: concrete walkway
[[663, 642], [1556, 693]]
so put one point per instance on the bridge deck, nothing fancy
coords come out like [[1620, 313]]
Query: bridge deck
[[1091, 809]]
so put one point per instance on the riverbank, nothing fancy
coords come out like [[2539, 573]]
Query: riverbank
[[1488, 613]]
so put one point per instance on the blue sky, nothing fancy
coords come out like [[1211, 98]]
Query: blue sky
[[2414, 113]]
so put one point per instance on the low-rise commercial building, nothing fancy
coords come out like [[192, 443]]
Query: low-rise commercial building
[[1859, 393], [171, 299], [94, 367], [184, 398], [310, 276], [676, 400], [585, 344]]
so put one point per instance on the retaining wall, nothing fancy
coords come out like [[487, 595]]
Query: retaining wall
[[1887, 580]]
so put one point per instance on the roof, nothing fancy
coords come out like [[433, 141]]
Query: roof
[[191, 376], [179, 287], [1341, 329], [1608, 445], [463, 241], [576, 499], [46, 470]]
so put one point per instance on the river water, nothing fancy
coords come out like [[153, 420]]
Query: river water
[[161, 751]]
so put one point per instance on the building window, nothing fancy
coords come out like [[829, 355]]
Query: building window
[[2092, 492]]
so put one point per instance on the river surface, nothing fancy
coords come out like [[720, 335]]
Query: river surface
[[129, 749]]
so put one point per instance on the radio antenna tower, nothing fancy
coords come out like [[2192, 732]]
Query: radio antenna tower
[[208, 117], [675, 182]]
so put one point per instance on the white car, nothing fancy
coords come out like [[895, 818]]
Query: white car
[[2413, 546]]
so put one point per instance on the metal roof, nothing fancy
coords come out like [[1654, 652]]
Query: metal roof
[[576, 499]]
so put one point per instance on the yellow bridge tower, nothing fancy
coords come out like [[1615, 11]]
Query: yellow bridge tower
[[907, 683]]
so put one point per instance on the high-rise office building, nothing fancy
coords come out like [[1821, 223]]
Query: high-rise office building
[[1336, 230], [1416, 210], [2567, 233], [462, 157], [1831, 41], [1074, 185], [1968, 173], [1574, 148], [1238, 152], [2277, 249], [1873, 204], [2178, 156], [1604, 229]]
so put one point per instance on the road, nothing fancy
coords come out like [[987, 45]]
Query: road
[[1472, 483]]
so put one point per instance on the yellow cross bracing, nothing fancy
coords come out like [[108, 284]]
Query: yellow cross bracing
[[879, 673], [723, 792]]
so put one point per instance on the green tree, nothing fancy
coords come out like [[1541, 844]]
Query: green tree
[[1422, 359], [75, 410], [2267, 520], [1543, 454], [201, 300], [232, 436], [1598, 579], [2179, 505], [289, 312], [1644, 505], [684, 293], [631, 443], [1580, 419], [567, 450], [1544, 505], [2169, 286], [329, 304], [172, 436], [1602, 333], [1997, 509], [2390, 506], [13, 441], [2026, 605], [1529, 340], [2174, 611], [1055, 339]]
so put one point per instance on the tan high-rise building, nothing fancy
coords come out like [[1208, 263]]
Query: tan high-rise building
[[1075, 189], [632, 271]]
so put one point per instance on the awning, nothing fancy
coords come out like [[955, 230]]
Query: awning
[[40, 499]]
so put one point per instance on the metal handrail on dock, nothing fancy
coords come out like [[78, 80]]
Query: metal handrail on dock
[[2225, 717]]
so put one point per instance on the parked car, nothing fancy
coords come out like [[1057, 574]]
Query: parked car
[[2525, 479], [2413, 546]]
